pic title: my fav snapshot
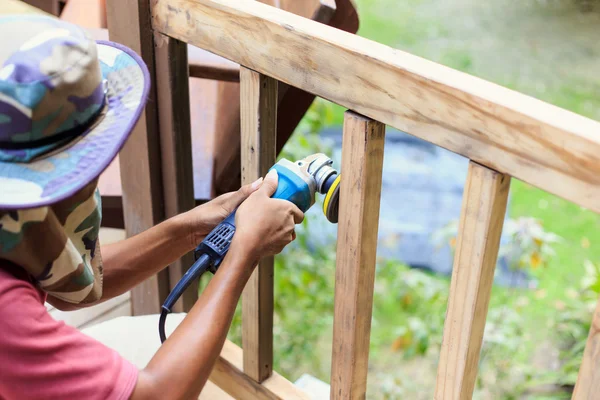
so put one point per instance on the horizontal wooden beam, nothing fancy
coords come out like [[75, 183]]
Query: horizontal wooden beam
[[203, 64], [546, 146], [228, 374]]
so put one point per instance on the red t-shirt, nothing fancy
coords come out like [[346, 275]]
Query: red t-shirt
[[41, 358]]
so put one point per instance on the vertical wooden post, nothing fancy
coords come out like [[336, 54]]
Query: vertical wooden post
[[483, 210], [129, 24], [258, 99], [172, 86], [588, 380], [362, 164]]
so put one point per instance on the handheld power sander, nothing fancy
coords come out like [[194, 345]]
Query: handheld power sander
[[298, 182]]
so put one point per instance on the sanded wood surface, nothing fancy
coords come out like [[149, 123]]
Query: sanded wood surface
[[176, 146], [229, 376], [360, 192], [482, 217], [139, 160], [500, 128], [588, 380], [259, 123]]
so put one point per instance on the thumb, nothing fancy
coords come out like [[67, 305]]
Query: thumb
[[242, 193], [269, 185], [230, 201]]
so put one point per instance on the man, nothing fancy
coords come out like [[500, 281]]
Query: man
[[67, 105]]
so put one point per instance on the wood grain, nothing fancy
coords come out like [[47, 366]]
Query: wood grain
[[139, 160], [588, 380], [494, 126], [482, 217], [258, 95], [176, 146], [228, 375], [360, 192]]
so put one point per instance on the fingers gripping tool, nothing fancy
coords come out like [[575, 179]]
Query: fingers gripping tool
[[298, 182]]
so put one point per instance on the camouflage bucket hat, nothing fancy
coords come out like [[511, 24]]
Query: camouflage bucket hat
[[67, 105]]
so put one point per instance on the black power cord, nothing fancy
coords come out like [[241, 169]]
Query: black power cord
[[198, 268], [209, 255]]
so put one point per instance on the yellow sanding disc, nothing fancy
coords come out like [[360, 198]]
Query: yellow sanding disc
[[331, 202]]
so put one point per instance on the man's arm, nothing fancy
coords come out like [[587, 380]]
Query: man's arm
[[182, 365], [133, 260]]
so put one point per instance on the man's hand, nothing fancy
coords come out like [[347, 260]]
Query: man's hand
[[203, 219], [264, 226]]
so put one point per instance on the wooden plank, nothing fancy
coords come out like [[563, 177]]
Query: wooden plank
[[228, 375], [258, 95], [304, 8], [588, 379], [505, 130], [482, 217], [213, 392], [325, 12], [360, 192], [172, 88], [206, 65], [139, 160]]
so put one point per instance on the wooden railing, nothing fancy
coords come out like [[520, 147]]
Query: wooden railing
[[505, 134]]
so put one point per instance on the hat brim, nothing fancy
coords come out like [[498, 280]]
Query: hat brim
[[63, 173]]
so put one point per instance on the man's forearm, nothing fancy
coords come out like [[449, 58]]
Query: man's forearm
[[184, 362], [133, 260]]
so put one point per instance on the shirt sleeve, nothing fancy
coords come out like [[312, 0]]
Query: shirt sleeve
[[41, 358]]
